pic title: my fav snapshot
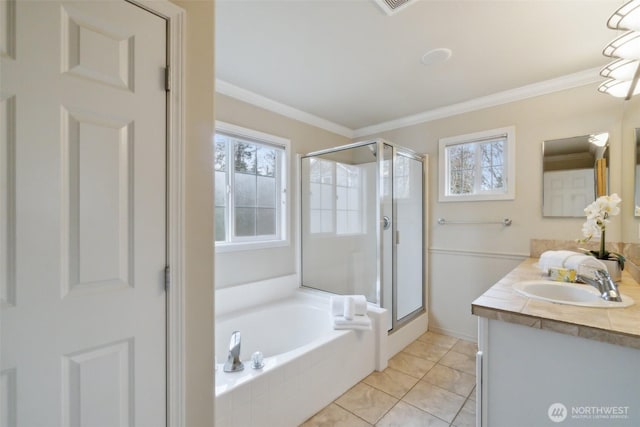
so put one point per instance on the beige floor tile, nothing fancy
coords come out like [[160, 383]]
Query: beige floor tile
[[405, 415], [472, 396], [451, 379], [411, 365], [466, 347], [366, 402], [335, 416], [390, 381], [459, 361], [426, 350], [442, 340], [435, 400], [467, 415]]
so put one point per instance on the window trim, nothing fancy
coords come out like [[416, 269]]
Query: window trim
[[509, 159], [244, 243]]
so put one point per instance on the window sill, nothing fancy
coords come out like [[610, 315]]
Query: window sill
[[250, 246]]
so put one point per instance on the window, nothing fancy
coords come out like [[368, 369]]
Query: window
[[478, 166], [250, 188], [336, 193]]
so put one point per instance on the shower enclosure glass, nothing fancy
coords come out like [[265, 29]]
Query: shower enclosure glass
[[362, 225]]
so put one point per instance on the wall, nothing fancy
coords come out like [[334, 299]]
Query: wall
[[199, 303], [234, 268], [467, 259]]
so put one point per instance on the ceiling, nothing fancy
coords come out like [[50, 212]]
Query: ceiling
[[350, 64]]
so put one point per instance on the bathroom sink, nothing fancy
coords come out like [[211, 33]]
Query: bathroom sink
[[567, 293]]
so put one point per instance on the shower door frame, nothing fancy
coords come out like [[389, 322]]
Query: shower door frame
[[380, 143], [397, 150]]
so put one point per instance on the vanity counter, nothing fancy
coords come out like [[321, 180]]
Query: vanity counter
[[619, 326]]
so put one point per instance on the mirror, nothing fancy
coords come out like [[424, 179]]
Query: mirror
[[574, 171], [637, 174]]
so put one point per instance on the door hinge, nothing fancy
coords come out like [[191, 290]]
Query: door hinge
[[167, 278], [167, 79]]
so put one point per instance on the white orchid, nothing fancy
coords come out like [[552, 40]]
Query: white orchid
[[598, 214]]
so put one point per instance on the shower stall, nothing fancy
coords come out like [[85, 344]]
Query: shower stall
[[362, 225]]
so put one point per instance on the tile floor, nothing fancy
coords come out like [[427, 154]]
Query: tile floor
[[431, 383]]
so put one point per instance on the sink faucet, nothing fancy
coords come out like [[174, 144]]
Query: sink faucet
[[233, 363], [603, 283]]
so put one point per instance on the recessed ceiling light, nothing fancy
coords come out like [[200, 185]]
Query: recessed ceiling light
[[436, 56]]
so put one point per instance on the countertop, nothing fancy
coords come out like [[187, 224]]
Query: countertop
[[619, 326]]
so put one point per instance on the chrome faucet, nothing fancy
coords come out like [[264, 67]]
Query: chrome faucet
[[604, 284], [233, 363]]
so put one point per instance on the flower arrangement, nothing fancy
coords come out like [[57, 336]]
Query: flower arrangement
[[598, 214]]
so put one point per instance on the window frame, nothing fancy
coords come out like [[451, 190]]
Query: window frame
[[241, 243], [509, 161]]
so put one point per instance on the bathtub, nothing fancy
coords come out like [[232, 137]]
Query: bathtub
[[308, 364]]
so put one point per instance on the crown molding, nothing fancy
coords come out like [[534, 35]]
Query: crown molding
[[228, 89], [558, 84]]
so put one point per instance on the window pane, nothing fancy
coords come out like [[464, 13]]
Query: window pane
[[492, 178], [266, 161], [315, 198], [315, 221], [245, 160], [221, 188], [266, 222], [326, 196], [354, 199], [341, 198], [220, 215], [342, 226], [266, 192], [461, 181], [355, 222], [245, 190], [220, 161], [327, 221], [245, 221]]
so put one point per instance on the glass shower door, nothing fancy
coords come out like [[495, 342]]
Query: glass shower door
[[409, 253]]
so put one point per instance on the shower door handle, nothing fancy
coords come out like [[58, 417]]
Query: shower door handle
[[386, 222], [397, 237]]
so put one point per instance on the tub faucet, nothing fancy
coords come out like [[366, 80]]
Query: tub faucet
[[604, 284], [233, 363]]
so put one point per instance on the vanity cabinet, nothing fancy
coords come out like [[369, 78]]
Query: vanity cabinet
[[533, 377], [546, 364]]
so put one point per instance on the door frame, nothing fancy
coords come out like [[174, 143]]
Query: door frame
[[175, 322]]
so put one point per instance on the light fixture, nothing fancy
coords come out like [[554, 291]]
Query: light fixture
[[624, 72], [627, 17]]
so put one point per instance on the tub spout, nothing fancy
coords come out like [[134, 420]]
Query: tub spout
[[233, 363]]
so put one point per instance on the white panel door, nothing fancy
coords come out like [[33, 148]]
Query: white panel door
[[566, 193], [82, 225]]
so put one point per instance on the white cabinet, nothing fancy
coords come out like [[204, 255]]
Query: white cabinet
[[533, 377]]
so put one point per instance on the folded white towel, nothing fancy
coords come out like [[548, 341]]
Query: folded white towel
[[583, 264], [337, 303], [349, 308], [359, 322]]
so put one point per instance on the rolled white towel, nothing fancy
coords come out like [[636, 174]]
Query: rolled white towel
[[359, 322], [337, 303], [583, 264], [554, 259]]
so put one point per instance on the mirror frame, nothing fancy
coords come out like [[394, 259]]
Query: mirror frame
[[637, 175]]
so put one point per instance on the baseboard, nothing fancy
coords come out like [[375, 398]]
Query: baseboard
[[455, 334]]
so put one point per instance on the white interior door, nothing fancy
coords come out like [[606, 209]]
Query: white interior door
[[82, 220], [566, 193]]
